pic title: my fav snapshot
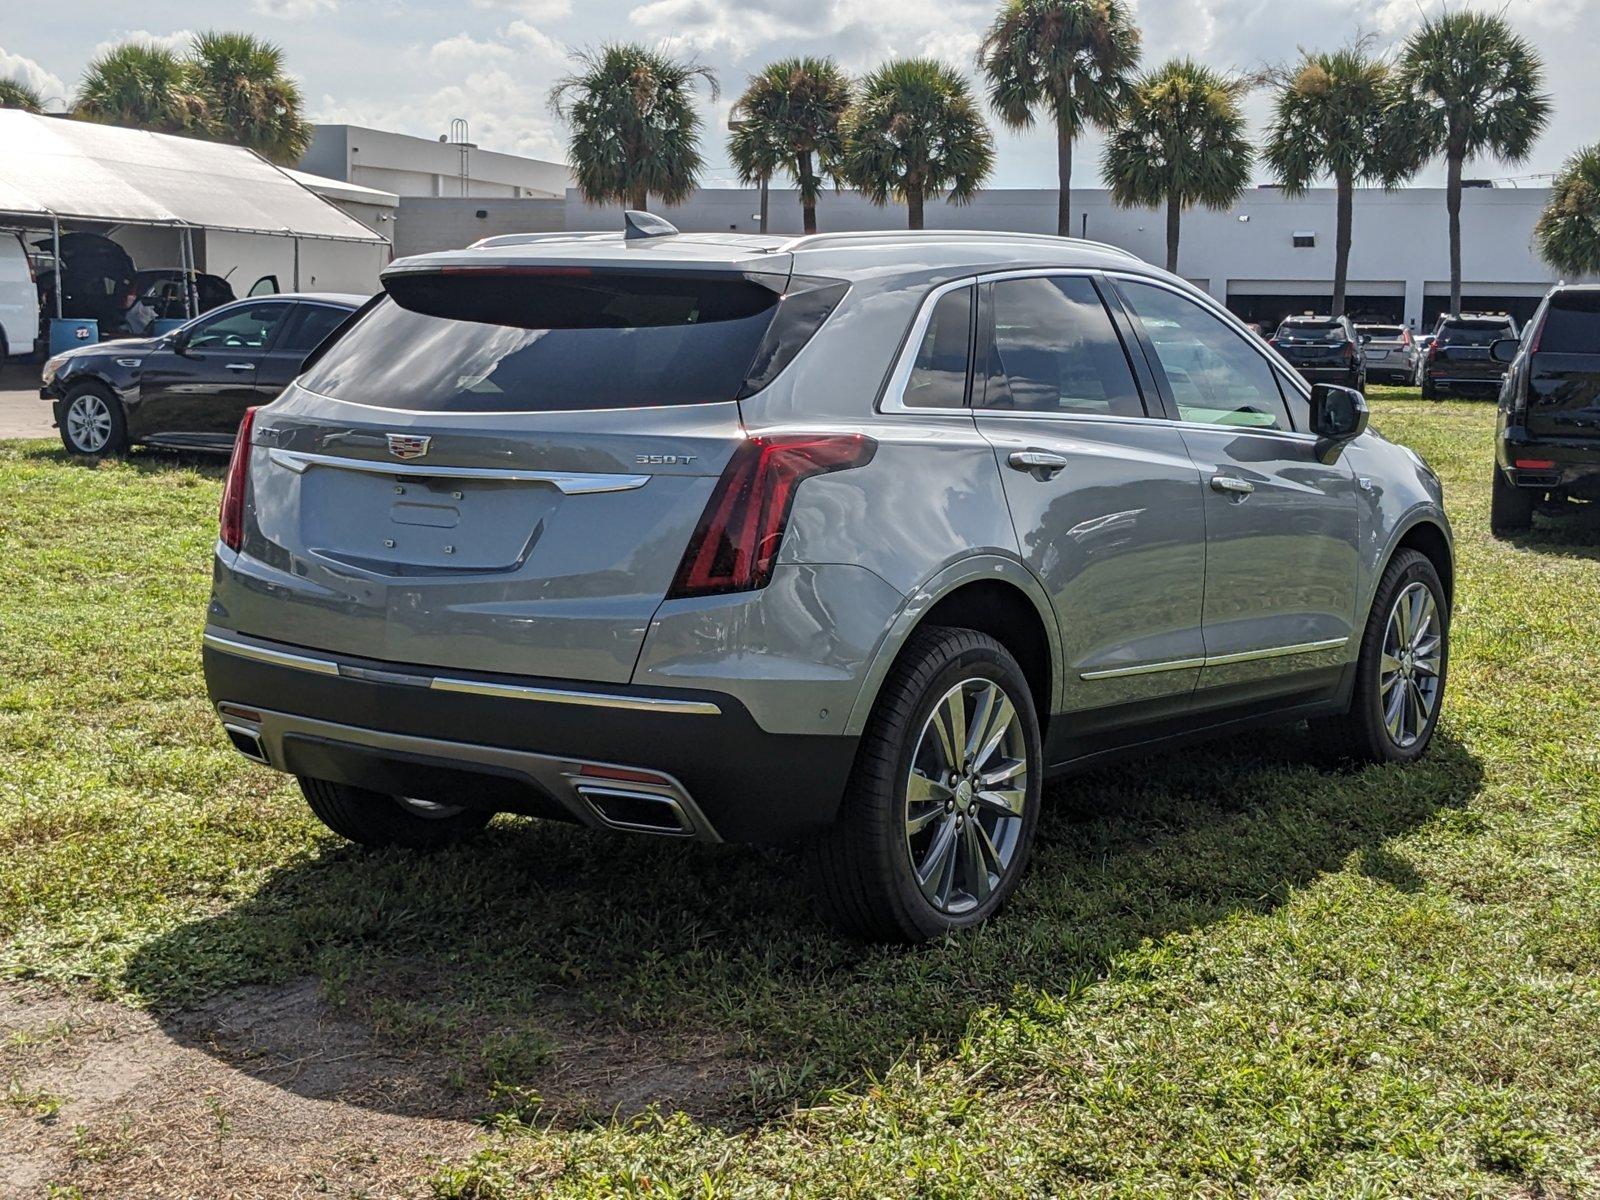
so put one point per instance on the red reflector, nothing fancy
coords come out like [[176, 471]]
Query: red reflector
[[621, 774], [235, 484], [737, 541], [1535, 464]]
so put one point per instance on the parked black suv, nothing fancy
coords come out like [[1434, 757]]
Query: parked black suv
[[1547, 432], [1458, 363], [1323, 350]]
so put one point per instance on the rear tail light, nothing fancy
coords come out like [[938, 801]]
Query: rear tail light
[[236, 484], [737, 541], [1535, 464]]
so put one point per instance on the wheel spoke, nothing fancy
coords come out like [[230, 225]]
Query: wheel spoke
[[950, 725], [1002, 715], [1007, 802], [973, 866], [923, 789], [983, 707], [933, 874], [1008, 770], [1417, 709], [1392, 713]]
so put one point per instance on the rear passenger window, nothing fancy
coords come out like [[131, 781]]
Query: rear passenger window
[[939, 375], [1053, 349], [1571, 324], [1216, 377]]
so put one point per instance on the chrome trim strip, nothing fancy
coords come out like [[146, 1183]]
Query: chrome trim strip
[[277, 658], [512, 691], [1222, 660], [1176, 664], [569, 482], [1216, 660], [473, 687]]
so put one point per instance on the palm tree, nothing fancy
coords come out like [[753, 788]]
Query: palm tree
[[1568, 231], [635, 132], [1180, 142], [16, 94], [1072, 58], [147, 87], [251, 101], [914, 134], [788, 119], [1473, 86], [1333, 116]]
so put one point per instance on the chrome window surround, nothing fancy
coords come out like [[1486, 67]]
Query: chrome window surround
[[1217, 660], [892, 400], [474, 687]]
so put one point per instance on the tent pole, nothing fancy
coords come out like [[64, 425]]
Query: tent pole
[[297, 264], [183, 269], [55, 233]]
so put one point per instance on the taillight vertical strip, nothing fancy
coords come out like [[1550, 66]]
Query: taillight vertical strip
[[236, 484]]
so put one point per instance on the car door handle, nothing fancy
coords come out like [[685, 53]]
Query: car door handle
[[241, 366], [1232, 485], [1036, 460]]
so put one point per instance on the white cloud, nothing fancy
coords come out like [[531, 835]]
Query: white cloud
[[295, 10], [24, 70], [533, 10], [178, 41]]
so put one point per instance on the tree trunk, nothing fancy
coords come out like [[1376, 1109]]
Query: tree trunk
[[808, 202], [1064, 175], [1341, 242], [1174, 214], [913, 209], [640, 201], [1452, 203]]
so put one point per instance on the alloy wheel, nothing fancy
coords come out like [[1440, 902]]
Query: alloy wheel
[[966, 793], [1413, 648], [89, 422]]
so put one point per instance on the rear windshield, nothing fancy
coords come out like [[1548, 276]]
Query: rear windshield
[[1572, 324], [1473, 335], [1382, 333], [564, 339], [1311, 331]]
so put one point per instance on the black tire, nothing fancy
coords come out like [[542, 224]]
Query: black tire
[[1510, 507], [116, 434], [1428, 392], [1361, 734], [374, 819], [862, 870]]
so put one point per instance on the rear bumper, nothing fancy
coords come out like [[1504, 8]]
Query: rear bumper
[[1467, 385], [526, 745], [1574, 463]]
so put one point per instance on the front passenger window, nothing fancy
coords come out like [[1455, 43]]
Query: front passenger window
[[248, 328], [1216, 377]]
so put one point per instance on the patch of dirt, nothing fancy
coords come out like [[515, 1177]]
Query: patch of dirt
[[268, 1092]]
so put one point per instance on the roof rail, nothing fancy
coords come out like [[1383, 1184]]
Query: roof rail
[[525, 239], [811, 241]]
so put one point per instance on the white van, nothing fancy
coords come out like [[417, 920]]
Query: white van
[[19, 299]]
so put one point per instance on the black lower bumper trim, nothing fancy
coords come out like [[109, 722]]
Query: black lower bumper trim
[[752, 786]]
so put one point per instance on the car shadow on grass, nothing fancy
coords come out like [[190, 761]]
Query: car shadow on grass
[[147, 460], [542, 967]]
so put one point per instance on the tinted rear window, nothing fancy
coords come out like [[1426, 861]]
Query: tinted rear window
[[1311, 331], [541, 342], [1383, 333], [1477, 334], [1572, 324]]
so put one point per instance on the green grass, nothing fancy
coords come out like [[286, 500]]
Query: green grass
[[1230, 971]]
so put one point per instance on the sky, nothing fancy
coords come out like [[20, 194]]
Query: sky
[[412, 65]]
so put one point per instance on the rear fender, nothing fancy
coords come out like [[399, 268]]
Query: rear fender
[[979, 568]]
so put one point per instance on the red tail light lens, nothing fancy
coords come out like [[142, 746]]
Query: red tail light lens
[[740, 532], [236, 484]]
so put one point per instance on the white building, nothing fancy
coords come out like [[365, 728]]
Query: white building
[[416, 166], [1267, 256]]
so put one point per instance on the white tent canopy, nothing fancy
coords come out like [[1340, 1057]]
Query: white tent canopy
[[53, 168]]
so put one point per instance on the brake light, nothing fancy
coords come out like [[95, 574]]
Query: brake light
[[236, 483], [737, 541], [1535, 464], [1433, 350]]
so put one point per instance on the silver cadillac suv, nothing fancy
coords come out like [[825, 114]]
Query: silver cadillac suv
[[849, 538]]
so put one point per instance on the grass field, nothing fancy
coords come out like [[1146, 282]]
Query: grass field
[[1233, 971]]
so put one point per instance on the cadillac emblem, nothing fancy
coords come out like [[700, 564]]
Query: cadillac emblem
[[408, 445]]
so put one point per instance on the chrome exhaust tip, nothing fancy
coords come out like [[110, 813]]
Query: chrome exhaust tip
[[637, 811], [247, 742]]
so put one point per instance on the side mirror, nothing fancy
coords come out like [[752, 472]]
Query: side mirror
[[1504, 350], [1337, 413], [1366, 338]]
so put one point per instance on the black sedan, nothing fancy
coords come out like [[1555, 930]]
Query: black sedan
[[189, 388]]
